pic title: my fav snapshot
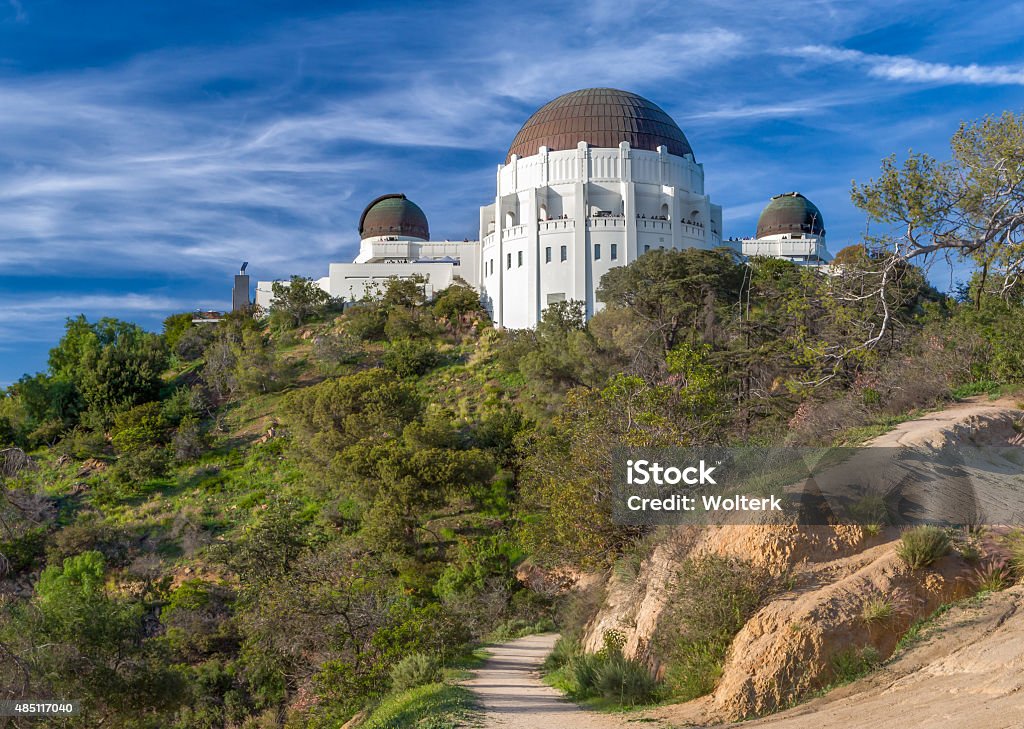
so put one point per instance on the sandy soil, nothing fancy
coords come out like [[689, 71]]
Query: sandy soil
[[513, 697], [968, 673]]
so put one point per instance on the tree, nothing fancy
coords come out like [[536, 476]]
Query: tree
[[455, 302], [566, 489], [675, 292], [971, 207], [299, 300]]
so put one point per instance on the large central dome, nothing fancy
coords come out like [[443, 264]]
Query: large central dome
[[601, 118]]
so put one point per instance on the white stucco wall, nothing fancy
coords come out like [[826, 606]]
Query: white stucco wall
[[585, 200]]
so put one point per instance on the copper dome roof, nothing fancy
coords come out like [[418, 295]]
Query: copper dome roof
[[601, 118], [393, 214], [790, 212]]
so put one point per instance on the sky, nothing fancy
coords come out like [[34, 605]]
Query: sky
[[148, 148]]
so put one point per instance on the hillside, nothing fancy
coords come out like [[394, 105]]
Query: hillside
[[296, 519]]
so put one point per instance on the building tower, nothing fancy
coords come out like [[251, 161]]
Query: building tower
[[594, 179], [790, 227]]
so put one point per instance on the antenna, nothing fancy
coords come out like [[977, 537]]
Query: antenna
[[244, 265]]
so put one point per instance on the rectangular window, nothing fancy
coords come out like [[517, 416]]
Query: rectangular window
[[555, 298], [564, 253], [597, 251], [615, 251], [508, 260], [646, 248], [547, 255], [520, 259]]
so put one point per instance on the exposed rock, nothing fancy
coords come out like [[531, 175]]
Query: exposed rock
[[786, 649]]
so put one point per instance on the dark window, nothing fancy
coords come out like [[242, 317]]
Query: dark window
[[615, 251], [508, 260], [547, 255], [597, 251], [646, 248], [520, 258], [564, 253]]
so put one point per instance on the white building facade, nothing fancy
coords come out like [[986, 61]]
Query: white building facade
[[394, 243], [593, 180], [563, 217]]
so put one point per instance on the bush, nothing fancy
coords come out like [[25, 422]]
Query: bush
[[408, 358], [878, 609], [564, 651], [921, 546], [416, 669], [851, 664], [583, 673], [366, 322], [626, 681], [993, 576], [714, 597], [138, 428], [188, 441]]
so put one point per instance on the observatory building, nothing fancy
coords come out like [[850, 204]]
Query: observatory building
[[789, 227], [593, 180], [394, 241]]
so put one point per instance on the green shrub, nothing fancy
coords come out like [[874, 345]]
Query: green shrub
[[408, 357], [583, 671], [1014, 542], [921, 546], [714, 597], [851, 664], [139, 428], [993, 576], [626, 681], [981, 387], [561, 654], [416, 669], [878, 609]]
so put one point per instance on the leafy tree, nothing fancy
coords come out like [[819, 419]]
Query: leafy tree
[[970, 207], [176, 326], [675, 292], [455, 302], [300, 300], [566, 497], [140, 427], [370, 405]]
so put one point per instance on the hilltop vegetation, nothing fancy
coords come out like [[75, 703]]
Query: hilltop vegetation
[[261, 522]]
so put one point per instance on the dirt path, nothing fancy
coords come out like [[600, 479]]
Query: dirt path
[[513, 697]]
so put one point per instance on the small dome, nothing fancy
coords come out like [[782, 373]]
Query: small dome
[[393, 214], [790, 212], [601, 118]]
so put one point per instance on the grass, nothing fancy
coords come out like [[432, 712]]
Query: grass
[[854, 663], [980, 387], [434, 706], [993, 576], [922, 546], [878, 610]]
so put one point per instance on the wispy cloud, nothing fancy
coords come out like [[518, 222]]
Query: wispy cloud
[[20, 15], [910, 70]]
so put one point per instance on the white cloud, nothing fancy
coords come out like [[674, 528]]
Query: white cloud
[[910, 70]]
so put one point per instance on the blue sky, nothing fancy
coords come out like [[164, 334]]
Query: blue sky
[[147, 148]]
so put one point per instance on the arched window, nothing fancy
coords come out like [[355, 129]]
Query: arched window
[[543, 211], [510, 219], [664, 211]]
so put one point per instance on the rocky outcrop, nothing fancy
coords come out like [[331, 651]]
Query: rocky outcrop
[[786, 650]]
